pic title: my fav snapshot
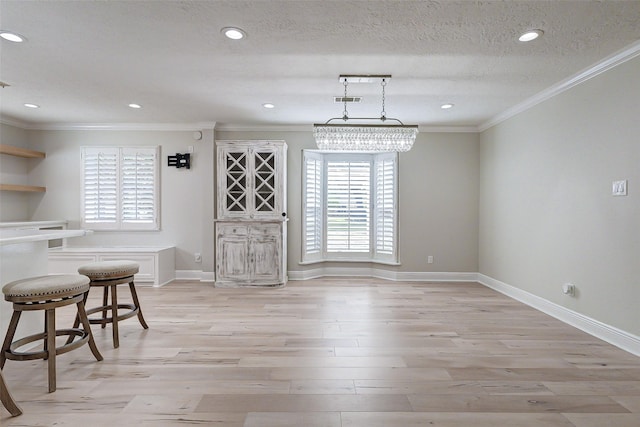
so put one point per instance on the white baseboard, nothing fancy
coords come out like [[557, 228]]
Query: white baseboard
[[198, 275], [382, 274], [610, 334], [208, 276], [188, 274]]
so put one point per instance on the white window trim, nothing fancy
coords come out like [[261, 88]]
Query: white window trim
[[372, 256], [119, 224]]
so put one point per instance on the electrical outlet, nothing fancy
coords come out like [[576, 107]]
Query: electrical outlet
[[430, 259], [569, 289], [198, 257]]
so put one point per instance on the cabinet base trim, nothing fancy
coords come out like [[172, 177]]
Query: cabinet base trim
[[231, 285]]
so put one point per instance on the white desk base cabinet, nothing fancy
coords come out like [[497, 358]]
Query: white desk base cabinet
[[157, 263]]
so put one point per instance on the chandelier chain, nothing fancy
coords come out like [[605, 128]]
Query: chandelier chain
[[383, 113], [345, 114]]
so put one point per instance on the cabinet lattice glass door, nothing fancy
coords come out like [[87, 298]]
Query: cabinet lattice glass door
[[251, 181], [264, 194], [236, 177]]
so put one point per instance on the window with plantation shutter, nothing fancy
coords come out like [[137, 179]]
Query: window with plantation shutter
[[312, 195], [100, 187], [120, 188], [349, 207], [385, 206]]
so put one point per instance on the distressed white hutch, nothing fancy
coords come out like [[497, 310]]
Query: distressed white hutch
[[251, 224]]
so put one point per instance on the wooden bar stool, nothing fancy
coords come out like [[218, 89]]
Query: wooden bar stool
[[108, 275], [7, 400], [47, 293]]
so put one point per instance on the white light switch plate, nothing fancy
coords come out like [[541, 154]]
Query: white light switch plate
[[619, 188]]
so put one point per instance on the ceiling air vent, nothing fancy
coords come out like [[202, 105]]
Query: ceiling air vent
[[342, 99]]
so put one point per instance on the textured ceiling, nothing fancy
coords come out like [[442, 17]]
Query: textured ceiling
[[84, 61]]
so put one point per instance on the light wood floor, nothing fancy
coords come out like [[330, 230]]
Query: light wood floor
[[334, 352]]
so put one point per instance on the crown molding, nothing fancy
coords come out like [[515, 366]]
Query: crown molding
[[264, 128], [608, 63], [13, 122], [309, 128], [448, 129], [122, 126]]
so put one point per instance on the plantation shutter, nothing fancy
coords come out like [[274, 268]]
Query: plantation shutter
[[348, 206], [138, 188], [120, 188], [312, 208], [100, 168], [385, 205]]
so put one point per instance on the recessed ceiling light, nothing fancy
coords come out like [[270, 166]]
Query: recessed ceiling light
[[530, 35], [446, 106], [234, 33], [135, 106], [12, 37], [268, 105], [28, 105]]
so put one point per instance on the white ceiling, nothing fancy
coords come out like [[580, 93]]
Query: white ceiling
[[85, 61]]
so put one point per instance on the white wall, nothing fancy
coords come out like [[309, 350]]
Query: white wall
[[438, 201], [547, 215], [186, 196]]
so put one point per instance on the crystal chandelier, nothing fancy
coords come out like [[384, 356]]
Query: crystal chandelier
[[364, 137]]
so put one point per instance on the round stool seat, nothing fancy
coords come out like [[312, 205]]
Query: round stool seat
[[45, 288], [109, 270]]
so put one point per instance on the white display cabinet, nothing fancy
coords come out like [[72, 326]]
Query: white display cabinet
[[251, 224]]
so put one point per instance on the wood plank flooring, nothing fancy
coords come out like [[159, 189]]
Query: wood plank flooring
[[334, 352]]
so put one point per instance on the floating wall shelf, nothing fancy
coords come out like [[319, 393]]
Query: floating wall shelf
[[28, 154], [21, 152], [29, 188]]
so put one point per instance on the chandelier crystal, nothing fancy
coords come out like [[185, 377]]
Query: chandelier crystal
[[364, 137]]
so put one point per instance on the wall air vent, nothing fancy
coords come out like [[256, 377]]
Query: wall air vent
[[352, 99]]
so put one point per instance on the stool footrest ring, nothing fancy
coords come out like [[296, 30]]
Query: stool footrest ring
[[133, 310], [12, 354]]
